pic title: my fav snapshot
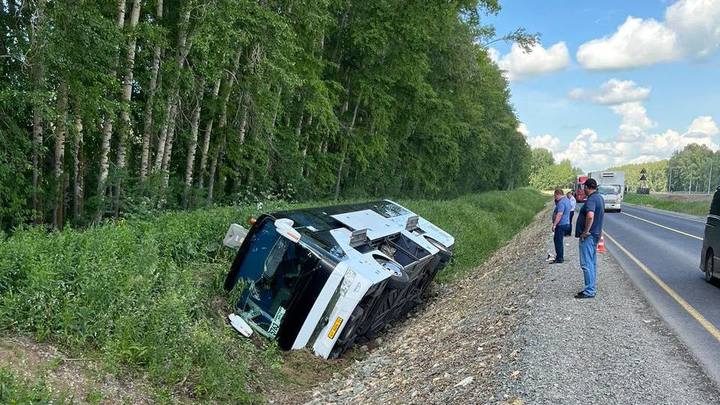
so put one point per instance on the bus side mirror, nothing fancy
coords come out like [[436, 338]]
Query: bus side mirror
[[284, 226]]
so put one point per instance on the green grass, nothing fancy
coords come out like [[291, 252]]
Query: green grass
[[480, 223], [145, 297], [699, 208], [16, 390]]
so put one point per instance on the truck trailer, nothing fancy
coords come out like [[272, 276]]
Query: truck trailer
[[611, 185], [326, 278]]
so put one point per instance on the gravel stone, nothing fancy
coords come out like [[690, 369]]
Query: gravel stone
[[613, 349]]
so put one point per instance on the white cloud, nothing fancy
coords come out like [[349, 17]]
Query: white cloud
[[690, 28], [702, 127], [634, 121], [637, 42], [518, 64], [590, 152], [612, 92], [523, 129], [546, 141], [697, 23], [616, 91]]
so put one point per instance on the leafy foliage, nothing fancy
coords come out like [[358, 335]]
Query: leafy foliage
[[304, 99], [670, 203], [656, 174], [548, 177]]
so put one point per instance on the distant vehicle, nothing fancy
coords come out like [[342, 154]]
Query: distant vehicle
[[325, 278], [711, 240], [578, 189], [611, 185]]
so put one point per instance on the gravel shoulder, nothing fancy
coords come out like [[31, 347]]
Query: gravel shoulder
[[513, 333], [452, 350], [611, 349]]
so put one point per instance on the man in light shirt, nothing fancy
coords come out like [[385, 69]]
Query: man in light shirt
[[573, 205], [560, 224]]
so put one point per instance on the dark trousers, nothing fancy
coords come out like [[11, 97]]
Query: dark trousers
[[569, 228], [558, 237]]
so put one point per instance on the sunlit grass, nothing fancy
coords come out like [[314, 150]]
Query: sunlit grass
[[699, 208]]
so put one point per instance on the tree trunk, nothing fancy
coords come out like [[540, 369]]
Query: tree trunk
[[38, 73], [243, 122], [125, 124], [206, 139], [305, 143], [107, 131], [78, 182], [169, 144], [221, 122], [192, 144], [345, 147], [148, 115], [162, 139], [167, 133], [213, 168], [60, 134]]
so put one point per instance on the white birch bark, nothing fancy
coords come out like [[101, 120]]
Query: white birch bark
[[125, 124], [192, 143], [148, 114], [107, 131]]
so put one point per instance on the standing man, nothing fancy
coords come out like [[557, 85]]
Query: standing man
[[589, 228], [573, 205], [561, 222]]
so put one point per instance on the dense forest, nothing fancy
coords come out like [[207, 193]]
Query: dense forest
[[116, 107], [694, 169], [546, 174]]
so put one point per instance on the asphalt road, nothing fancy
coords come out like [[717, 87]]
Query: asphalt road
[[660, 251]]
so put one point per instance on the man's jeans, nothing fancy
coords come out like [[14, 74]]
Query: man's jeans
[[569, 228], [558, 236], [588, 262]]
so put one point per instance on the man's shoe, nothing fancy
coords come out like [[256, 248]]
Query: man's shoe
[[556, 262], [582, 295]]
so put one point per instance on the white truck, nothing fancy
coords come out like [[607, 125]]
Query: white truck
[[325, 278], [611, 185]]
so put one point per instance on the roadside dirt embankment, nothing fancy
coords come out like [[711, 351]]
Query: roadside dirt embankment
[[513, 333], [454, 348]]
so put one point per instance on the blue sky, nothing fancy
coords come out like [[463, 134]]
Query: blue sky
[[639, 89]]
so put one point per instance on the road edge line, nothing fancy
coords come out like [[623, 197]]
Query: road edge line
[[663, 226], [709, 327]]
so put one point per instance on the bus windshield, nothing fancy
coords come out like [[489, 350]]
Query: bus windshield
[[271, 269]]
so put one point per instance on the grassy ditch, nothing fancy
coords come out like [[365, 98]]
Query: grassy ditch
[[17, 390], [145, 298], [699, 208]]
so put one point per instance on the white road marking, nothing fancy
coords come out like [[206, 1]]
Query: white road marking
[[663, 226], [709, 327]]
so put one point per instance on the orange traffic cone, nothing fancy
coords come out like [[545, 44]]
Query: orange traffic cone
[[601, 245]]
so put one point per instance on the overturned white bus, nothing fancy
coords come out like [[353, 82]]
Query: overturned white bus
[[328, 277]]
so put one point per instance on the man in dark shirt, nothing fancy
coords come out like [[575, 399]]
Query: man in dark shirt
[[589, 229]]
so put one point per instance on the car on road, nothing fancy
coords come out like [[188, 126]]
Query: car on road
[[325, 278], [711, 240]]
